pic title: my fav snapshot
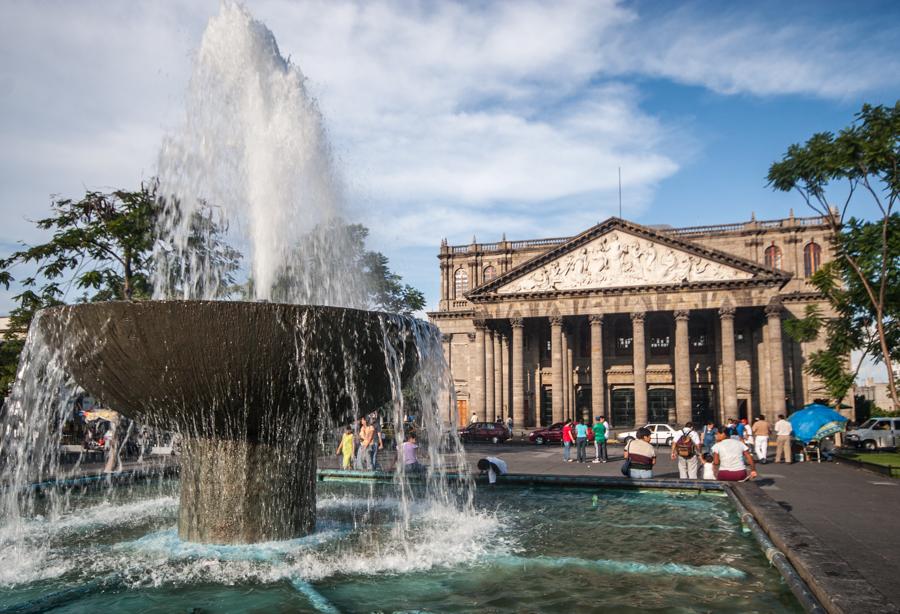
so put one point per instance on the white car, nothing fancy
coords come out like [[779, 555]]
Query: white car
[[660, 434]]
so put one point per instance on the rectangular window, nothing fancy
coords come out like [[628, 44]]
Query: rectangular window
[[699, 344], [623, 345], [659, 346]]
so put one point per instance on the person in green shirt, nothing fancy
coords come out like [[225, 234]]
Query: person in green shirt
[[601, 434]]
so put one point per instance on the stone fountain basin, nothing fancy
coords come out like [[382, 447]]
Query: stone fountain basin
[[248, 386]]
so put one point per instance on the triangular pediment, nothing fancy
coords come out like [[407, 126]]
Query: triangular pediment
[[618, 254]]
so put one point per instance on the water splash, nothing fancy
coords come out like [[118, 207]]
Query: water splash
[[253, 156]]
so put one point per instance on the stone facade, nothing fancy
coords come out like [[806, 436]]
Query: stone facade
[[641, 324]]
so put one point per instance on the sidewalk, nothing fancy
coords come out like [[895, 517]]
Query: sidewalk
[[852, 510]]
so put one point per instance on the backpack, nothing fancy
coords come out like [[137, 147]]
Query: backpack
[[684, 447]]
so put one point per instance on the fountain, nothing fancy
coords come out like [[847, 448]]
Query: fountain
[[246, 385], [255, 388]]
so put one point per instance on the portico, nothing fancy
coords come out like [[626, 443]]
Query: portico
[[628, 322]]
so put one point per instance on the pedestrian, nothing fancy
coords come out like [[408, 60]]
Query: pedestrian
[[687, 450], [494, 467], [345, 447], [411, 462], [581, 437], [473, 418], [783, 430], [740, 428], [377, 441], [709, 436], [601, 433], [366, 437], [731, 428], [709, 470], [761, 432], [730, 460], [640, 455], [509, 425], [568, 438]]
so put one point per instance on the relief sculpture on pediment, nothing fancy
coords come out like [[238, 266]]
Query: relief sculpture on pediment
[[620, 259]]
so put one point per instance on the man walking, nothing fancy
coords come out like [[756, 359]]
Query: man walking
[[601, 433], [761, 433], [581, 437], [783, 430], [687, 450], [568, 438], [366, 437]]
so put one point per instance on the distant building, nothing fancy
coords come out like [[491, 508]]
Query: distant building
[[642, 324], [876, 393]]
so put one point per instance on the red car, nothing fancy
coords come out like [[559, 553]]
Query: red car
[[552, 434], [494, 432]]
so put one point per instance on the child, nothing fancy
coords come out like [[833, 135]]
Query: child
[[346, 447], [708, 473]]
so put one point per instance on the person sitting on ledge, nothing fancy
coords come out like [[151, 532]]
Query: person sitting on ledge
[[411, 464], [731, 458], [494, 467], [640, 455]]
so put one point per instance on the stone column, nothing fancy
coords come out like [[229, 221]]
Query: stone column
[[776, 361], [556, 363], [446, 398], [565, 371], [498, 376], [505, 402], [489, 376], [682, 368], [477, 392], [538, 389], [598, 392], [639, 353], [729, 368], [518, 372]]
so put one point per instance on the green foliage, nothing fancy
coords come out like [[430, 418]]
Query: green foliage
[[100, 244], [806, 329], [9, 361], [862, 284]]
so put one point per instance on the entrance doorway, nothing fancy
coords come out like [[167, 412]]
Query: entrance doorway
[[622, 406], [701, 405], [546, 406], [462, 409], [660, 404]]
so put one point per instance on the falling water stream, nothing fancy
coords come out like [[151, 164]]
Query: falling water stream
[[253, 160]]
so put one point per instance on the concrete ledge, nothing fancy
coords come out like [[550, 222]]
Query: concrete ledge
[[890, 471], [836, 585]]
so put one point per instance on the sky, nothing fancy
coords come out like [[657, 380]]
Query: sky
[[461, 119]]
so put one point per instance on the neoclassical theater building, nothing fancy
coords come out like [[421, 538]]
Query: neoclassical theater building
[[641, 324]]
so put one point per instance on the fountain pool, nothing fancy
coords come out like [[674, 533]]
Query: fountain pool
[[521, 549]]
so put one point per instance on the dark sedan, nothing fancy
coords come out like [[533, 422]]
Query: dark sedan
[[552, 434], [492, 432]]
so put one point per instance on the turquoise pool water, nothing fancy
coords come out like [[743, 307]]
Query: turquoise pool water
[[515, 550]]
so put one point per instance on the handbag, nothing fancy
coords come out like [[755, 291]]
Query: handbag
[[626, 468]]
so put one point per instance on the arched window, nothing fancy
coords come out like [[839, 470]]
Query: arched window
[[489, 273], [773, 257], [812, 258], [461, 282]]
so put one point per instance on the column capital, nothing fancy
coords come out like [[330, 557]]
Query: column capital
[[774, 308], [638, 317], [555, 320], [596, 318], [726, 312], [479, 324], [517, 322], [683, 314]]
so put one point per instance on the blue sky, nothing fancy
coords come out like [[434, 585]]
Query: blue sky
[[460, 119]]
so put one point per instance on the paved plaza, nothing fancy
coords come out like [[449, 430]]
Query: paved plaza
[[851, 510]]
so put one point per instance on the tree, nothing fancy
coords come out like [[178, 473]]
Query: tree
[[863, 159], [100, 243], [332, 266]]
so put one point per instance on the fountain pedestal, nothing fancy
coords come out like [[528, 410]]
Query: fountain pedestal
[[247, 385]]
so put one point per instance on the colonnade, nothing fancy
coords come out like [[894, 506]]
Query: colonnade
[[497, 377]]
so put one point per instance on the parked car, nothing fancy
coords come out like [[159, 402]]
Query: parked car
[[875, 434], [660, 434], [493, 432], [552, 434]]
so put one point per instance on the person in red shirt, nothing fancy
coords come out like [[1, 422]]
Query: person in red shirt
[[568, 437]]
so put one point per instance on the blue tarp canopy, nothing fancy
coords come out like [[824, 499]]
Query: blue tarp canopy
[[816, 421]]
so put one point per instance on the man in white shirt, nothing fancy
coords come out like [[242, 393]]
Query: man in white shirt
[[686, 448], [473, 418], [783, 430], [494, 467]]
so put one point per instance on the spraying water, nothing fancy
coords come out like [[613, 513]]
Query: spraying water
[[253, 155]]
